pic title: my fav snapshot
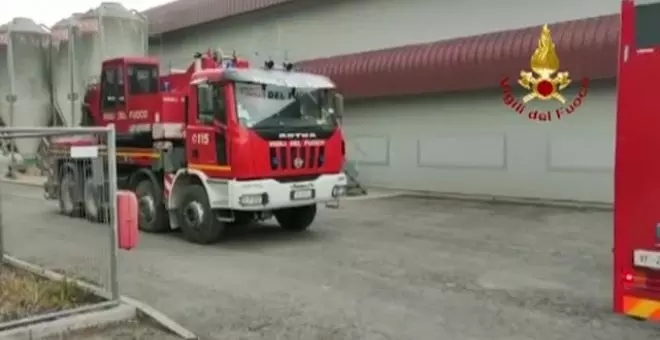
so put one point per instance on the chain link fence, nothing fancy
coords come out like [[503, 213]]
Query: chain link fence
[[72, 229]]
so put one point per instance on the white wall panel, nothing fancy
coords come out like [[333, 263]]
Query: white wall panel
[[580, 153], [463, 151], [371, 150]]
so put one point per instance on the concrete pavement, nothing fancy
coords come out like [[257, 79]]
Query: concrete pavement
[[392, 268], [37, 181]]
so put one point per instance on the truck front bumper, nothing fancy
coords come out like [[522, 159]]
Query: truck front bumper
[[270, 194]]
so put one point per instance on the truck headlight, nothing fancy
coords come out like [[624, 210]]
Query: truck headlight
[[338, 190], [253, 199]]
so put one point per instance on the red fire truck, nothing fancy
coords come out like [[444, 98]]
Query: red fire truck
[[637, 172], [218, 144]]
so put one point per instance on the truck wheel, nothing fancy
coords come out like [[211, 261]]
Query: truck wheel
[[91, 202], [69, 195], [153, 215], [198, 223], [95, 201], [296, 219]]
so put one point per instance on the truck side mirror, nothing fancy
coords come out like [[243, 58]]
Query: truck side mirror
[[339, 108], [127, 220], [339, 105]]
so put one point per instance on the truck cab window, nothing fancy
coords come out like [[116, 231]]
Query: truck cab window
[[110, 89], [143, 79], [211, 103], [121, 87], [112, 80], [221, 111], [647, 13]]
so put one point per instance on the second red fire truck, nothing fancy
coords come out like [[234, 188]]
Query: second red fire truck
[[637, 188], [221, 143]]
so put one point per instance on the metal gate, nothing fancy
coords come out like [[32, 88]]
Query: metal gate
[[34, 232]]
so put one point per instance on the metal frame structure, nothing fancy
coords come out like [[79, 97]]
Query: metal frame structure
[[114, 297]]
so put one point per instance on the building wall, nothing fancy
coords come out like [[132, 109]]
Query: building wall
[[473, 144], [310, 28], [464, 143]]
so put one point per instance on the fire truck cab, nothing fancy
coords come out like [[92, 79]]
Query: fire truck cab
[[220, 144]]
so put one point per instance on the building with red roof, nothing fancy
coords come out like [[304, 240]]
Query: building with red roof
[[426, 110]]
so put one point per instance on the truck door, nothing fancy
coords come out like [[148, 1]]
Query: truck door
[[637, 168], [207, 136], [113, 95], [143, 95]]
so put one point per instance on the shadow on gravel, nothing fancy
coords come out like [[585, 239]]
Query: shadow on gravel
[[259, 235], [265, 234]]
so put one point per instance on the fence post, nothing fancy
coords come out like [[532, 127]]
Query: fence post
[[73, 95], [2, 230], [101, 32], [114, 225], [11, 97]]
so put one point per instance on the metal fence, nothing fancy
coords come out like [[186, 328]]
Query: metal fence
[[73, 230]]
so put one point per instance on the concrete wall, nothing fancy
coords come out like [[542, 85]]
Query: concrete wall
[[473, 144]]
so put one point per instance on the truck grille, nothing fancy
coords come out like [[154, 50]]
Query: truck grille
[[297, 157]]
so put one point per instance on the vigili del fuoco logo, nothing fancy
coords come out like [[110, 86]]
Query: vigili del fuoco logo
[[544, 83]]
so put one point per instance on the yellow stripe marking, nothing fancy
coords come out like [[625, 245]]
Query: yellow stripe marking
[[644, 309], [154, 155], [209, 167], [139, 154]]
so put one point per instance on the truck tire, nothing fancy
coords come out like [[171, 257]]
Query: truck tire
[[296, 219], [197, 219], [69, 194], [153, 216], [92, 201]]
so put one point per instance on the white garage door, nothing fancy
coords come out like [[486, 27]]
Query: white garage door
[[473, 144]]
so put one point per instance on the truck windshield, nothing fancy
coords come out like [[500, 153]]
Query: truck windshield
[[262, 106]]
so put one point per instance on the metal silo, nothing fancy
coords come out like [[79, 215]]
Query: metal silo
[[24, 79], [63, 74], [83, 41]]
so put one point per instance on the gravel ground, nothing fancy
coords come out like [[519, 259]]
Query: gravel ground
[[398, 268]]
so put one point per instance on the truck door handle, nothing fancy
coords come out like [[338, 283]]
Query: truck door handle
[[195, 153]]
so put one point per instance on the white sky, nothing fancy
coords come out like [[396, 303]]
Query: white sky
[[48, 12]]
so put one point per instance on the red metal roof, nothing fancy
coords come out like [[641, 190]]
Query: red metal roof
[[586, 48], [186, 13]]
